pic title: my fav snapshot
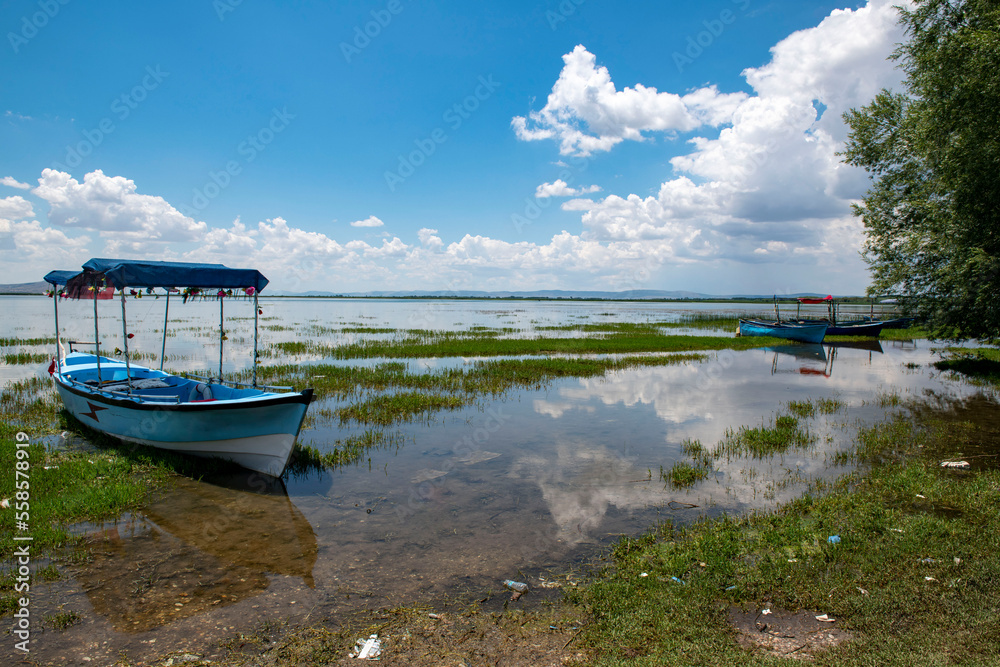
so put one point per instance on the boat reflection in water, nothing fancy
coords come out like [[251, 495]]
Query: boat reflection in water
[[817, 359], [197, 546], [810, 359]]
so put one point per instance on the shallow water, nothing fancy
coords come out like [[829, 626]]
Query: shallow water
[[530, 486]]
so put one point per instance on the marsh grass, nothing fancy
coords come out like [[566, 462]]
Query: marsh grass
[[13, 342], [808, 408], [344, 452], [386, 409], [25, 358], [30, 405], [764, 441], [711, 320], [913, 333], [623, 338], [683, 475], [802, 408], [903, 609], [698, 453], [981, 365]]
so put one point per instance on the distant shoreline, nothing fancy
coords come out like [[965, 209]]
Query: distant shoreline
[[554, 299]]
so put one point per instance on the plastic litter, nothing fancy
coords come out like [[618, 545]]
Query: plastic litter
[[959, 465], [370, 649], [765, 611], [676, 580], [928, 561], [833, 539], [825, 618], [516, 586], [731, 588]]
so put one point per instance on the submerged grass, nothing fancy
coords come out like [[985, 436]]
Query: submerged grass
[[807, 408], [12, 342], [389, 393], [763, 441], [627, 339], [915, 585], [682, 474], [980, 364], [23, 358], [347, 451], [387, 409]]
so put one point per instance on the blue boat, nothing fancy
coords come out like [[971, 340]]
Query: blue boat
[[252, 425], [805, 333], [852, 328]]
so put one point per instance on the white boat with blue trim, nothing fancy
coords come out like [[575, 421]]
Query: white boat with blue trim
[[252, 425]]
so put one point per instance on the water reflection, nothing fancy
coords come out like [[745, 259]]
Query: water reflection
[[198, 545], [809, 359]]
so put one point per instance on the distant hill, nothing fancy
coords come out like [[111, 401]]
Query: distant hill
[[25, 288], [537, 294]]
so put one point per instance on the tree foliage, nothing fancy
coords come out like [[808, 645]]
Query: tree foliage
[[932, 215]]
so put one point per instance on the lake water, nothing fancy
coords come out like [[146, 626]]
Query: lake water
[[532, 486]]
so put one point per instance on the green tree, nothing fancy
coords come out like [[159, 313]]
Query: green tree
[[932, 215]]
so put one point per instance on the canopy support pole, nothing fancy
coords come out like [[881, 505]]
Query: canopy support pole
[[97, 340], [128, 368], [222, 331], [55, 304], [166, 314], [256, 312]]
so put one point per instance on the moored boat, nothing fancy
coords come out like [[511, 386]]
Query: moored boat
[[805, 333], [852, 328], [252, 425], [894, 323]]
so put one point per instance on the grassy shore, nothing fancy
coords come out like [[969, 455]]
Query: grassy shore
[[903, 555], [913, 571]]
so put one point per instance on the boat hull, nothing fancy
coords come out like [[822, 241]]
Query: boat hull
[[871, 329], [255, 432], [855, 328], [804, 333]]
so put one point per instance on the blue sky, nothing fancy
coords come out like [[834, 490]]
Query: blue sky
[[442, 145]]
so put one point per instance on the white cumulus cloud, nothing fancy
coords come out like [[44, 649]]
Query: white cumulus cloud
[[585, 112], [561, 188], [370, 221], [12, 182], [770, 186], [16, 208], [428, 237], [111, 206]]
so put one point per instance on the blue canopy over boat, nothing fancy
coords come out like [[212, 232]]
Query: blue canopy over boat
[[60, 277], [121, 273]]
